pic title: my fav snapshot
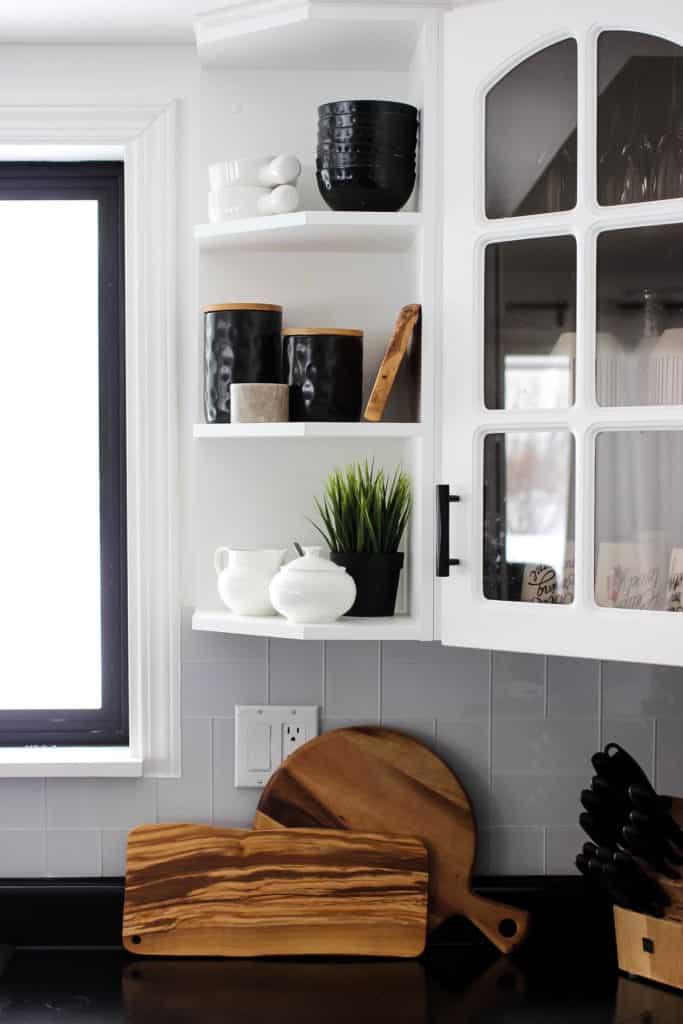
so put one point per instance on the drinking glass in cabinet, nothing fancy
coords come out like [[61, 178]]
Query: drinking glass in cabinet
[[530, 323], [531, 135], [638, 525], [640, 118], [639, 342], [529, 517]]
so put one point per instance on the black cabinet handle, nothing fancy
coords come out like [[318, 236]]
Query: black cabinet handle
[[443, 543]]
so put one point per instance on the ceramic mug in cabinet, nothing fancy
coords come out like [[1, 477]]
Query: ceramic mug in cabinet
[[244, 578]]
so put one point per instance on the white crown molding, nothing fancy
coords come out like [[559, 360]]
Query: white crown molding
[[74, 125], [215, 29], [147, 136]]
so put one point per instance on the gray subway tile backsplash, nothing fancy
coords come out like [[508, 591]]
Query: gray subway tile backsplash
[[518, 685], [518, 729], [296, 671], [573, 688], [515, 851], [421, 679], [100, 803], [22, 803], [189, 798], [73, 854], [351, 678], [212, 688], [113, 843], [642, 691], [22, 853], [545, 746]]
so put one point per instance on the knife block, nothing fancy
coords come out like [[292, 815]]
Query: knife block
[[650, 947]]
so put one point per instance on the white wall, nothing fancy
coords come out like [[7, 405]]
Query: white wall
[[519, 728]]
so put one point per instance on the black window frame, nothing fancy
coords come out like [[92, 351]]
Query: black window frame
[[108, 725]]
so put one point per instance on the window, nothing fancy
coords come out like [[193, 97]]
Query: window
[[64, 653]]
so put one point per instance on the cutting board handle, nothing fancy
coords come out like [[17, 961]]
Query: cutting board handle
[[505, 926]]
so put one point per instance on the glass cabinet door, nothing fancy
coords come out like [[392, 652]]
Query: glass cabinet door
[[563, 333], [639, 520]]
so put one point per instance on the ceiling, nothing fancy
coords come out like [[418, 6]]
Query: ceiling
[[100, 21]]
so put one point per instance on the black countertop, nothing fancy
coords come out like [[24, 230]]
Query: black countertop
[[447, 985]]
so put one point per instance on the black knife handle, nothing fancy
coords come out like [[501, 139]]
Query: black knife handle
[[444, 561]]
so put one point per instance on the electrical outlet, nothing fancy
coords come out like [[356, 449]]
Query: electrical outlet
[[265, 735], [294, 735]]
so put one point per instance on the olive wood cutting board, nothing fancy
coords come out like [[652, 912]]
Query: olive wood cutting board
[[377, 780], [194, 890], [406, 323]]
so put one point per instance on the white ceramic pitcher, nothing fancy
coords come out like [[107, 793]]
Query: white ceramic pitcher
[[244, 578]]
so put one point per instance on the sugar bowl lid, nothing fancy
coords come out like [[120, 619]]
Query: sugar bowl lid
[[312, 561]]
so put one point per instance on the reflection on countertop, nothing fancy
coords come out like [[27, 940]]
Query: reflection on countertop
[[448, 985]]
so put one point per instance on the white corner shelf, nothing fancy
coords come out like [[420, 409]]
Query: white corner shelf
[[395, 627], [314, 231], [311, 34], [367, 431]]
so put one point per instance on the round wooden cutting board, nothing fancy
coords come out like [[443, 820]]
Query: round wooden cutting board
[[377, 780]]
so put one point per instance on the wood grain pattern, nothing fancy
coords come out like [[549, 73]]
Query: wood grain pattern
[[663, 959], [257, 992], [377, 780], [194, 890], [404, 328]]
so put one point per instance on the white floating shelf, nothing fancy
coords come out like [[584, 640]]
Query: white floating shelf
[[308, 34], [367, 431], [314, 231], [397, 627]]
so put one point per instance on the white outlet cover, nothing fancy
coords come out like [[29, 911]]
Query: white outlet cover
[[259, 739]]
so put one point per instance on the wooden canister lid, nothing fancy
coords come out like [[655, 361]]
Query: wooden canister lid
[[323, 330], [242, 305]]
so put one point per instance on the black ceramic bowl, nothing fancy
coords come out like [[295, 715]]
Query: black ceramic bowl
[[363, 154], [365, 187], [395, 165], [367, 135], [370, 107], [387, 122]]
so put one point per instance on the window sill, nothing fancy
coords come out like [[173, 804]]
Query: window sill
[[69, 762]]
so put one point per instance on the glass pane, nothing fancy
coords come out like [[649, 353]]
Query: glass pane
[[639, 345], [639, 525], [529, 517], [640, 118], [529, 329], [49, 449], [531, 135]]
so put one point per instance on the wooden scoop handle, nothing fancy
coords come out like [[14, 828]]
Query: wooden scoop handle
[[506, 927]]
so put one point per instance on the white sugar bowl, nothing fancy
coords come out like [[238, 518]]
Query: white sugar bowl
[[312, 589]]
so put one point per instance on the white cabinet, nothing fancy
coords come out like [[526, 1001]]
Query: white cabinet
[[265, 69], [562, 385], [545, 243]]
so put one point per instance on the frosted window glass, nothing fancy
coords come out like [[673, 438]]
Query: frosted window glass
[[50, 655]]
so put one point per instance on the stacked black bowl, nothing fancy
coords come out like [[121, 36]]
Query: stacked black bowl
[[366, 154]]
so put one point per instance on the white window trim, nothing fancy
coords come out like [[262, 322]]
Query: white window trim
[[147, 138]]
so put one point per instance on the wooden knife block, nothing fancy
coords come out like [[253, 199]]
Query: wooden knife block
[[652, 947]]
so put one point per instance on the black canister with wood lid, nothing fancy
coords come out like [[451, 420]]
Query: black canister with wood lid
[[324, 369], [242, 345]]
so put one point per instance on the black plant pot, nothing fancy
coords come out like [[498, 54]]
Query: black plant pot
[[376, 578]]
